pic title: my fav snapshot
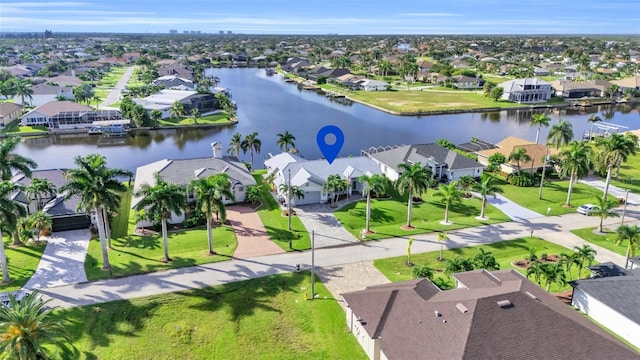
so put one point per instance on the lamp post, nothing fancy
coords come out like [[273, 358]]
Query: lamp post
[[624, 208], [544, 167]]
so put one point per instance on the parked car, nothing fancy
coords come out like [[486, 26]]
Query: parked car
[[588, 209]]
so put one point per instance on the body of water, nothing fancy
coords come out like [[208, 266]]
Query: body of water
[[270, 106]]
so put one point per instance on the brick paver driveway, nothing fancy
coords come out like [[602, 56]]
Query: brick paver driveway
[[252, 237]]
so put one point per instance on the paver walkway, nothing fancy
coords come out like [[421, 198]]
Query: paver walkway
[[114, 94], [62, 262], [510, 208], [253, 239]]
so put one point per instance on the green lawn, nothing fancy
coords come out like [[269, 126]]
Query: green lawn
[[629, 177], [277, 225], [606, 240], [110, 79], [16, 128], [554, 195], [219, 118], [265, 318], [132, 254], [387, 216], [22, 261], [505, 252]]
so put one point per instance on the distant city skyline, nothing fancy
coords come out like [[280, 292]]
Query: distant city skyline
[[323, 17]]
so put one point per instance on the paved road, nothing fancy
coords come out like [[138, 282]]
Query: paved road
[[114, 95], [634, 199], [553, 228]]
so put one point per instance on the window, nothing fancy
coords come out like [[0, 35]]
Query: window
[[241, 188]]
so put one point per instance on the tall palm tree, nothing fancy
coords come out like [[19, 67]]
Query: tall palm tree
[[486, 187], [372, 183], [160, 201], [252, 144], [466, 183], [584, 254], [612, 151], [235, 144], [519, 155], [177, 109], [553, 272], [535, 270], [442, 237], [631, 234], [630, 147], [414, 180], [560, 134], [576, 163], [285, 140], [568, 260], [334, 185], [39, 187], [604, 210], [98, 187], [211, 193], [22, 88], [593, 119], [540, 120], [449, 194], [10, 162], [293, 192], [8, 218], [27, 325], [195, 113]]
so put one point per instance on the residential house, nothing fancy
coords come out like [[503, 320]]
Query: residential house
[[64, 212], [164, 99], [576, 90], [65, 115], [9, 112], [528, 90], [467, 82], [44, 93], [539, 71], [329, 73], [372, 85], [536, 152], [174, 82], [296, 64], [182, 171], [311, 175], [489, 315], [612, 298], [65, 81], [444, 163], [632, 82], [424, 66], [176, 69]]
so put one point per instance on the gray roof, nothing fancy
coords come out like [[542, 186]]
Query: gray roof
[[422, 153], [477, 145], [473, 325], [620, 293], [319, 170], [58, 206]]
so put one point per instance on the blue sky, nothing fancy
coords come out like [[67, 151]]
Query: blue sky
[[327, 16]]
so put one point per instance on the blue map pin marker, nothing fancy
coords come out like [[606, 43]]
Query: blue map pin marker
[[330, 151]]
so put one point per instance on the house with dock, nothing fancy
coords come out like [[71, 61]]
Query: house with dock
[[68, 115], [526, 91]]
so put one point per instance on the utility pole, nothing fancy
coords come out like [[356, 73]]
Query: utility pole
[[624, 208], [289, 201], [544, 167], [313, 264]]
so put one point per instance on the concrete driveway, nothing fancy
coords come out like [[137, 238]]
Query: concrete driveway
[[511, 209]]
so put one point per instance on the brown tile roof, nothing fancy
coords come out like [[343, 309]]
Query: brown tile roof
[[630, 82], [535, 151], [415, 320], [54, 107], [7, 108]]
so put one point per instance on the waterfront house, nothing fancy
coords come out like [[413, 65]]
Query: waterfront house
[[176, 69], [632, 82], [535, 151], [174, 82], [577, 90], [67, 115], [9, 112], [489, 315], [372, 85], [182, 171], [164, 99], [444, 163], [467, 82], [311, 175], [525, 91]]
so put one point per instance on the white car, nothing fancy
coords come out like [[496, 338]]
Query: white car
[[588, 209]]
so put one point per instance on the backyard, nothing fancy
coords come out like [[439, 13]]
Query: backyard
[[218, 118], [264, 318]]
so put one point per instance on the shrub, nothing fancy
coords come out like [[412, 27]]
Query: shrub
[[521, 179], [421, 271], [195, 219]]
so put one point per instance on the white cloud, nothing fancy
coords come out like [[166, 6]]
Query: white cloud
[[436, 14]]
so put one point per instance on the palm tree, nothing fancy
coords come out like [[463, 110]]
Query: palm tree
[[253, 194], [631, 234], [553, 272], [612, 151], [630, 145], [285, 140], [485, 260], [97, 99], [293, 192], [177, 109], [449, 194], [442, 237], [372, 183], [160, 201], [540, 120], [584, 254], [576, 163], [568, 260], [560, 134], [519, 155], [535, 270], [39, 187], [604, 210], [593, 119], [251, 143], [40, 222], [235, 144], [334, 186], [195, 113], [211, 193], [22, 88], [414, 180], [10, 162], [466, 183], [27, 325], [8, 218], [486, 188], [98, 188]]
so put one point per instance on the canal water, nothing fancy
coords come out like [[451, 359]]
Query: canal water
[[270, 106]]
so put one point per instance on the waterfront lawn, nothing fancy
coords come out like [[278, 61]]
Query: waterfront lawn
[[16, 128], [388, 215], [264, 318], [606, 240], [554, 195], [276, 224], [218, 118], [505, 252], [629, 177], [22, 261]]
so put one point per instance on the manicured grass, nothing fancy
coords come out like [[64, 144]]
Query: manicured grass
[[277, 225], [265, 318], [387, 216], [629, 177], [554, 195], [111, 78], [22, 262], [505, 252], [606, 240], [16, 128], [219, 118]]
